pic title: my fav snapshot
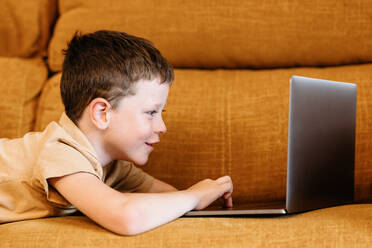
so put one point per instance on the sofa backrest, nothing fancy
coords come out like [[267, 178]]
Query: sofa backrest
[[230, 34], [235, 122], [21, 82], [25, 27]]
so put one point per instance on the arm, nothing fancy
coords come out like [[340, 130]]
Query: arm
[[134, 213]]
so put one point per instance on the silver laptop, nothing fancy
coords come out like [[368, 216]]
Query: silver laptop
[[321, 146]]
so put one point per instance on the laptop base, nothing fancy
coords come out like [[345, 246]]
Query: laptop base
[[277, 208]]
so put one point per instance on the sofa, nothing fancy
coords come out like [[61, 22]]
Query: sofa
[[227, 112]]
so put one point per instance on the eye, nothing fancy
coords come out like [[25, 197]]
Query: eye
[[152, 113]]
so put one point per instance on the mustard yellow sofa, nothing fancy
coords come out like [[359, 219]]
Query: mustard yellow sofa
[[227, 113]]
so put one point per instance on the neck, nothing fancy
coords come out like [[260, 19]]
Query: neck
[[96, 141]]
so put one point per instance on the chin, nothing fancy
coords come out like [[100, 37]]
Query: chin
[[139, 162]]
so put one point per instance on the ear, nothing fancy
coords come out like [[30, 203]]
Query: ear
[[100, 112]]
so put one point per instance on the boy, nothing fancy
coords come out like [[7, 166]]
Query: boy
[[114, 87]]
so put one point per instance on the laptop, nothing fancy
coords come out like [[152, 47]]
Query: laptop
[[321, 147]]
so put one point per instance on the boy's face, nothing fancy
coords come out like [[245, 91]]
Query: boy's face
[[135, 125]]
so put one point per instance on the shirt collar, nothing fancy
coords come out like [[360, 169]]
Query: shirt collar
[[78, 137]]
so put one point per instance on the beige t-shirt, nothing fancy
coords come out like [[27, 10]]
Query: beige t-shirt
[[61, 149]]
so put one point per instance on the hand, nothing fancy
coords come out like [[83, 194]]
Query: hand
[[207, 191]]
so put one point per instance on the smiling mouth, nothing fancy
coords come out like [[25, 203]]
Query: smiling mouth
[[148, 144]]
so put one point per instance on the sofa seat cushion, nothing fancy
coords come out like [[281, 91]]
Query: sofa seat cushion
[[343, 226], [235, 122], [21, 81], [229, 34]]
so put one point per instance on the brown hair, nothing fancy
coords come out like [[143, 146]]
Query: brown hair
[[107, 64]]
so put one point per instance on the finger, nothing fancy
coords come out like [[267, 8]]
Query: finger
[[228, 187], [228, 202], [227, 199], [227, 195], [224, 179]]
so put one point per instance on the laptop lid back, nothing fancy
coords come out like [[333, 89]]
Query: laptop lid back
[[321, 144]]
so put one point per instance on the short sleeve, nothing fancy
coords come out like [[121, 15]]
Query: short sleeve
[[56, 160], [126, 177]]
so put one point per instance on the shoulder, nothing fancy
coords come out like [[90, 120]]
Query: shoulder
[[59, 155]]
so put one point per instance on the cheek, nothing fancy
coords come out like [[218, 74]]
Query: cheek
[[143, 126]]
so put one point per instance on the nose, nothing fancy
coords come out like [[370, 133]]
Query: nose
[[160, 127]]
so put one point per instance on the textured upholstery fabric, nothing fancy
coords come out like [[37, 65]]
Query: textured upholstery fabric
[[231, 34], [345, 226], [51, 106], [20, 84], [25, 26], [235, 122], [219, 121]]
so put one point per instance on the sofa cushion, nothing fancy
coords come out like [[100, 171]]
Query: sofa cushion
[[51, 106], [344, 226], [21, 81], [235, 122], [25, 26], [233, 34]]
